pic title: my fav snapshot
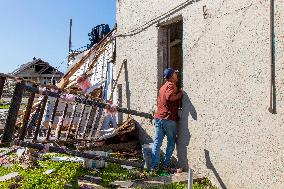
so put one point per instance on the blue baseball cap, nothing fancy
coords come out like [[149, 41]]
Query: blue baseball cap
[[169, 72]]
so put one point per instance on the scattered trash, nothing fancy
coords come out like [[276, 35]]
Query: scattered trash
[[47, 172], [127, 167], [90, 163], [20, 152], [9, 176]]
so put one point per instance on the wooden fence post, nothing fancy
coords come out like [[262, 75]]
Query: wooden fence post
[[72, 120], [13, 112], [27, 116], [52, 118], [61, 122], [38, 123], [80, 121], [87, 121]]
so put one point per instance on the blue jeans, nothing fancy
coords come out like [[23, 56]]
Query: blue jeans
[[163, 127]]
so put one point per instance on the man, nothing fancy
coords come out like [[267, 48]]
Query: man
[[165, 118]]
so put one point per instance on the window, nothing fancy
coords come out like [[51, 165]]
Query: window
[[170, 49]]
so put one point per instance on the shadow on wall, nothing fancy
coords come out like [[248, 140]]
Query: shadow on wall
[[209, 165], [144, 138], [183, 133]]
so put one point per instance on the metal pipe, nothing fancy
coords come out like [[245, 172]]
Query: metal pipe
[[272, 108]]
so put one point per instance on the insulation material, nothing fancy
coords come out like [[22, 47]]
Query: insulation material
[[100, 65], [77, 58]]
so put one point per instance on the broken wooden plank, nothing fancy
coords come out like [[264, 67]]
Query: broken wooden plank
[[87, 122], [100, 124], [93, 179], [27, 116], [72, 121], [13, 112], [9, 176], [122, 184], [52, 118], [39, 119], [80, 121], [94, 125], [61, 122]]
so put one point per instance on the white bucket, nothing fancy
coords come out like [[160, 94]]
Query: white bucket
[[147, 155], [90, 163]]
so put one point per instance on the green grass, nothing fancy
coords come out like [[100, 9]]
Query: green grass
[[64, 172], [69, 172], [4, 106], [204, 184]]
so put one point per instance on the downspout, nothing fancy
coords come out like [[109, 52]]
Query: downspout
[[272, 107]]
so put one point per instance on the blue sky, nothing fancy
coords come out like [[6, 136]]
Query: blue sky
[[40, 28]]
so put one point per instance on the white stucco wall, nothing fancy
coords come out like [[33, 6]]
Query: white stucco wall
[[226, 60]]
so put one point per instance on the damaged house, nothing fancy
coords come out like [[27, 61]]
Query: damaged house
[[230, 56], [38, 71], [82, 108]]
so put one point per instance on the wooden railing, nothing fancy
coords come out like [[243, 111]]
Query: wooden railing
[[24, 137]]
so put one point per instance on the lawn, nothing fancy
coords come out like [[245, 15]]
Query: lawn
[[5, 106], [69, 172]]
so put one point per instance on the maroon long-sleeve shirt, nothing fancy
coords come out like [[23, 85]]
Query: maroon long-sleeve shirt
[[168, 101]]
